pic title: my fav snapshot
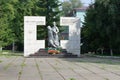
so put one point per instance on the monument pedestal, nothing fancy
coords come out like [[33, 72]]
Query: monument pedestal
[[44, 53]]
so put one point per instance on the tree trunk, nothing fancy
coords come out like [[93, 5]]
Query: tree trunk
[[102, 50], [111, 52], [0, 48], [13, 46]]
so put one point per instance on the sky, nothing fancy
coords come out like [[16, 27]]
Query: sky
[[85, 2]]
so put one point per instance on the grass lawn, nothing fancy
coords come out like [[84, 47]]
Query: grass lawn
[[10, 53]]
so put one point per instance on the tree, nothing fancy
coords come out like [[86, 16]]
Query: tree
[[69, 5], [21, 8], [12, 14], [6, 17], [102, 19], [50, 9]]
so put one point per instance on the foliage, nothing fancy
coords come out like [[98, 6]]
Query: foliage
[[6, 17], [21, 8], [9, 53], [50, 9], [12, 14], [72, 79], [101, 28]]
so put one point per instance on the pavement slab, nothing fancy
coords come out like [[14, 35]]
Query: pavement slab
[[20, 68]]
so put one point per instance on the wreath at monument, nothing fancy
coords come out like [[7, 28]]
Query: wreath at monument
[[54, 50]]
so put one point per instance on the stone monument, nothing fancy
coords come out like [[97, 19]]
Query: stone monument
[[32, 45]]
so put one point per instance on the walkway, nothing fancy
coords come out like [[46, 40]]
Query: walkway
[[19, 68]]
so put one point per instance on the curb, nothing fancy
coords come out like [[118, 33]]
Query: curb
[[108, 57]]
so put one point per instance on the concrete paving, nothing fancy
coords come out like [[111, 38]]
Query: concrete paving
[[20, 68]]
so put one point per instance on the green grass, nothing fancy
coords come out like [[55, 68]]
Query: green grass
[[106, 79], [10, 53], [0, 61], [23, 64], [108, 54], [72, 79]]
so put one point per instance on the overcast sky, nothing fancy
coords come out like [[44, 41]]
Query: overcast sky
[[85, 2]]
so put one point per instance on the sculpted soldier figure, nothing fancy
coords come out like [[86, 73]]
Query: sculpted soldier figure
[[53, 36]]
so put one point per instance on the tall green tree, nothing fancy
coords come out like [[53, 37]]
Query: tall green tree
[[50, 9], [12, 14], [102, 20], [6, 17], [22, 8]]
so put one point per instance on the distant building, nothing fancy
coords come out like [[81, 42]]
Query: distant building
[[79, 12], [76, 12]]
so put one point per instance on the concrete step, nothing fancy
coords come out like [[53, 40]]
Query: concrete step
[[44, 53]]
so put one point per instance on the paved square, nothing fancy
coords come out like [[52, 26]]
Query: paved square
[[20, 68]]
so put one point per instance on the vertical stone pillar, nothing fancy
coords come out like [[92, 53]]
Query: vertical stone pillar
[[31, 44], [73, 44]]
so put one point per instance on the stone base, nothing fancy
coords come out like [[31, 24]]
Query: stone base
[[62, 54]]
